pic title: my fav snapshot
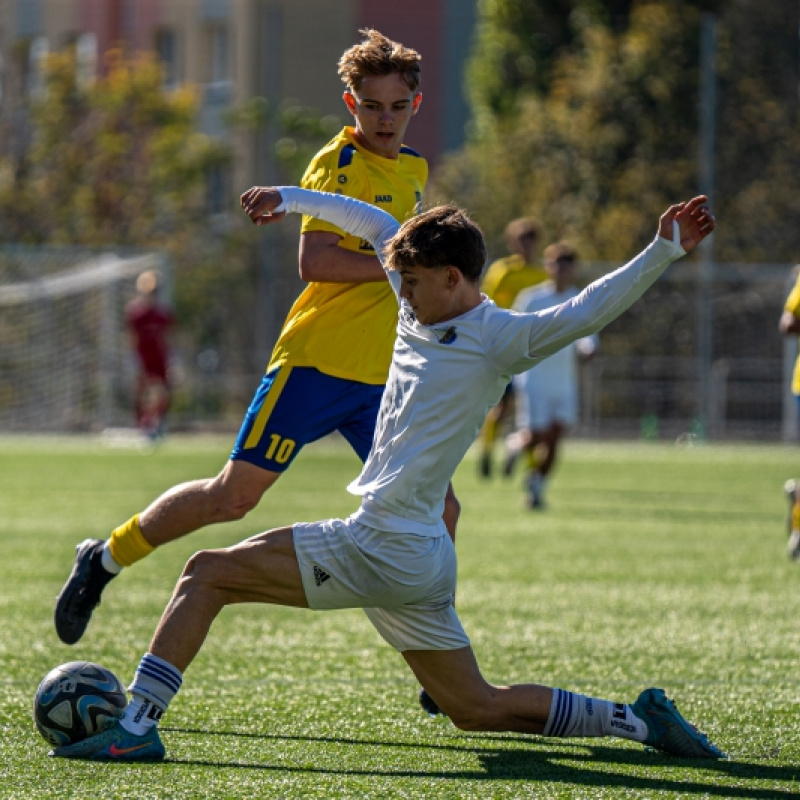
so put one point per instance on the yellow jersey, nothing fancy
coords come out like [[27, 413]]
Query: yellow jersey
[[507, 277], [792, 305], [348, 329]]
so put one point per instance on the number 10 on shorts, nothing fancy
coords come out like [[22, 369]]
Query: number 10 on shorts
[[280, 450]]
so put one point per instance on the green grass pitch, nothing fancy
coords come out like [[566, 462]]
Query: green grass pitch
[[653, 565]]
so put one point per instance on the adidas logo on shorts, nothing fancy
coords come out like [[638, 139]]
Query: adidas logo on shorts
[[320, 576]]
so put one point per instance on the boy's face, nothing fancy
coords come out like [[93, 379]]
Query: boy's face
[[429, 292], [561, 271], [382, 108]]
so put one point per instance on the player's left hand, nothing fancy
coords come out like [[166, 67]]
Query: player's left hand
[[695, 222], [259, 202]]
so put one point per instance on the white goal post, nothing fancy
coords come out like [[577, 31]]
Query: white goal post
[[65, 360]]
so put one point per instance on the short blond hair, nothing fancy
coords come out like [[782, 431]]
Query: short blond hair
[[379, 55], [560, 251], [519, 229]]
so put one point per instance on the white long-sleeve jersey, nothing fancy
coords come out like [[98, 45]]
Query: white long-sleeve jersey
[[444, 378]]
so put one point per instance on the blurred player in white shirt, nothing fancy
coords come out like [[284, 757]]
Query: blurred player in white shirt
[[547, 394]]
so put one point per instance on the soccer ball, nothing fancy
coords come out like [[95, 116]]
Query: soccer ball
[[77, 700]]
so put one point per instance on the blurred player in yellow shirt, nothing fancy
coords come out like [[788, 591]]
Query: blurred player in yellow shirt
[[789, 325], [503, 281]]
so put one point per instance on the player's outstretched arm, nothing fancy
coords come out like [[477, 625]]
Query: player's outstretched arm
[[266, 204], [680, 229], [694, 221]]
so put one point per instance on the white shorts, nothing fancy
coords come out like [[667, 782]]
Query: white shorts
[[540, 404], [404, 582]]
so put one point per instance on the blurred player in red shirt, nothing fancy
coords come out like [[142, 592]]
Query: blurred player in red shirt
[[149, 321]]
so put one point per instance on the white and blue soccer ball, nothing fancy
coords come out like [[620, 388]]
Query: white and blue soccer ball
[[76, 700]]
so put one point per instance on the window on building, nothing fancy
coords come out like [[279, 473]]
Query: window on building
[[219, 71], [218, 83], [167, 50], [86, 58], [37, 54], [216, 187]]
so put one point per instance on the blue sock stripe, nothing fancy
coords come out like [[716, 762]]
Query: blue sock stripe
[[160, 677], [160, 672], [563, 713], [158, 663], [568, 715], [557, 715], [557, 712]]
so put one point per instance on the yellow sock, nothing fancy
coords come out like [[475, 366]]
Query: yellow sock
[[796, 517], [127, 544], [489, 433]]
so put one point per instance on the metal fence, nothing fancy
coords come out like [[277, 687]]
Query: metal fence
[[65, 364]]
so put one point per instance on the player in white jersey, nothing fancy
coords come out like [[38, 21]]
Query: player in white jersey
[[454, 354], [547, 394]]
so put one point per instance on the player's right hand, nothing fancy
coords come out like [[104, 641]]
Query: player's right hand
[[260, 202]]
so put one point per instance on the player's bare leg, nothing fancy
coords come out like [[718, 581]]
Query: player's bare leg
[[452, 511], [190, 506], [263, 569], [453, 679], [543, 445], [488, 436], [181, 510], [455, 682], [549, 440]]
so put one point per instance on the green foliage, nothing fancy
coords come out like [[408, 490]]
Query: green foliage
[[758, 147], [520, 43], [114, 162], [295, 132], [597, 155], [599, 132], [653, 565]]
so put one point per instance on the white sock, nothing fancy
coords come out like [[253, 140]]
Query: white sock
[[140, 715], [107, 561], [155, 684], [577, 715]]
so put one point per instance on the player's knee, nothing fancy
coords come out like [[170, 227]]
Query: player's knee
[[202, 569], [233, 503], [240, 507]]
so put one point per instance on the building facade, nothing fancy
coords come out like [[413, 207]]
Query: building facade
[[234, 50]]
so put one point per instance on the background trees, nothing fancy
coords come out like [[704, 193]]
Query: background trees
[[112, 162], [586, 117]]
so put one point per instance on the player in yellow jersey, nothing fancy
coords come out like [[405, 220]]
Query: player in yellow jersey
[[331, 361], [789, 325], [503, 281]]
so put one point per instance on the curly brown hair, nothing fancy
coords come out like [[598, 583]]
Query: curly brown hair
[[378, 55]]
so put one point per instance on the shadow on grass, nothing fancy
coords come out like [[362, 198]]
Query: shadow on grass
[[544, 761]]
